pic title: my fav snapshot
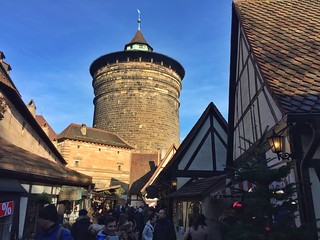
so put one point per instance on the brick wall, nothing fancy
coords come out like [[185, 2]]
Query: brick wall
[[107, 165]]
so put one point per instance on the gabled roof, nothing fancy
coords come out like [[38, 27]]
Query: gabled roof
[[166, 159], [93, 135], [168, 171], [18, 163], [186, 143], [285, 38], [44, 124]]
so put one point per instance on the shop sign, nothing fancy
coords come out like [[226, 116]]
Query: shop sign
[[6, 208], [70, 194]]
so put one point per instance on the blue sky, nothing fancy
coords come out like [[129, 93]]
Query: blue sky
[[50, 46]]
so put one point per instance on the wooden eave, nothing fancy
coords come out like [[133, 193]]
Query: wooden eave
[[21, 164], [123, 56], [199, 189]]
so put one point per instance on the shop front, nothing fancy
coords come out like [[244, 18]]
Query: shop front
[[12, 196]]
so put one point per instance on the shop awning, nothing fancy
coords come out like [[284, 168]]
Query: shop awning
[[71, 193], [11, 185], [199, 188], [233, 191]]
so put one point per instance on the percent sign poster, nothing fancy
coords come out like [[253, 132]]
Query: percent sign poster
[[6, 208]]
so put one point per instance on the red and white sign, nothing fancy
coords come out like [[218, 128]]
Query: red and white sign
[[233, 191], [6, 208]]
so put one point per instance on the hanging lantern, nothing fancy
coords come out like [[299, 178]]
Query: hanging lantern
[[275, 142]]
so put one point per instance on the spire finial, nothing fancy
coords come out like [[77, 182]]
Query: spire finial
[[139, 19]]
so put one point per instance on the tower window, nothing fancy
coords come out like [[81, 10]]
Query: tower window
[[119, 167], [76, 163]]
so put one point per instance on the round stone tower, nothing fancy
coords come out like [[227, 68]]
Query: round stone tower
[[137, 95]]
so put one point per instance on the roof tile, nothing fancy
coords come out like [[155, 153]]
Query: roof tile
[[93, 135], [284, 36]]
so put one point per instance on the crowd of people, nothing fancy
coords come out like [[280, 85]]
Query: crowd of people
[[127, 224]]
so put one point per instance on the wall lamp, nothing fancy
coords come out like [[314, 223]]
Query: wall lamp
[[275, 142], [174, 183]]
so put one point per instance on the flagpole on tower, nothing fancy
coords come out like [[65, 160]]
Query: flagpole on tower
[[139, 19]]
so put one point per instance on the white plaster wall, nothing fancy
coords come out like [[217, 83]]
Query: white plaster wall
[[22, 214], [194, 145], [221, 154], [258, 116], [203, 159]]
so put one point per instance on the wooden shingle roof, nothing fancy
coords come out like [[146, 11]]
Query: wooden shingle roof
[[22, 164], [199, 188], [285, 38]]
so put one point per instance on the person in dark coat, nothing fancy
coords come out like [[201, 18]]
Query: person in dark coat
[[164, 228], [49, 227], [80, 229], [139, 222]]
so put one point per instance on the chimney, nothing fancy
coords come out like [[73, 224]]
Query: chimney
[[5, 65], [83, 129], [32, 107]]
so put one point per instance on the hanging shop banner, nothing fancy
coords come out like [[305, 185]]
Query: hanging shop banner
[[6, 209]]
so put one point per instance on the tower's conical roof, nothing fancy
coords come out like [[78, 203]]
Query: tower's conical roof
[[138, 43]]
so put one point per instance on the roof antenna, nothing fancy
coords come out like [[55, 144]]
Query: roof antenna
[[139, 19]]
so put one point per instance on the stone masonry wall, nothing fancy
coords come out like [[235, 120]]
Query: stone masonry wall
[[108, 166], [138, 101]]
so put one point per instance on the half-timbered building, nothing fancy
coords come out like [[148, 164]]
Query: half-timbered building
[[274, 87], [187, 178]]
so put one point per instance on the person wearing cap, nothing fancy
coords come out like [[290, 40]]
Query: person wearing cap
[[49, 227], [80, 229]]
